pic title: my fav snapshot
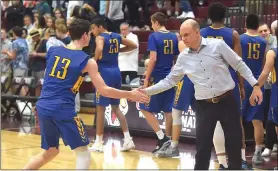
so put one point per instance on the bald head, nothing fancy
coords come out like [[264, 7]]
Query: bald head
[[190, 33], [190, 23]]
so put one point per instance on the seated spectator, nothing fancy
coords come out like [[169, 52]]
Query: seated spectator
[[59, 21], [42, 8], [128, 61], [187, 11], [50, 23], [62, 34]]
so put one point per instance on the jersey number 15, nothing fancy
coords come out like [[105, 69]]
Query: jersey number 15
[[253, 51], [65, 64]]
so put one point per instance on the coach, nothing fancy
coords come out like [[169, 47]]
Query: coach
[[206, 63]]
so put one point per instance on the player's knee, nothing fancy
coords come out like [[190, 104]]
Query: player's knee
[[176, 114], [51, 152], [257, 123], [83, 156]]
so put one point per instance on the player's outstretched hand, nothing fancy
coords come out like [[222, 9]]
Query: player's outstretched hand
[[256, 96], [139, 96]]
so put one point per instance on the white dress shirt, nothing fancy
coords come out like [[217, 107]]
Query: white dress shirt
[[207, 69], [128, 61]]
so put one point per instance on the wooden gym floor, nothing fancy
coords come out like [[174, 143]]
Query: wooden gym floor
[[20, 141]]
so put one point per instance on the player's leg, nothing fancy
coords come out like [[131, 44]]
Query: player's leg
[[219, 146], [128, 142], [258, 133], [73, 134], [168, 124], [49, 142]]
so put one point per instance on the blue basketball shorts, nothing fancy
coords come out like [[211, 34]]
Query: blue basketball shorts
[[159, 102], [184, 96], [112, 77]]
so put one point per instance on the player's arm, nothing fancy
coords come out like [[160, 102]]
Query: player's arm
[[182, 46], [107, 91], [269, 64], [129, 45], [99, 47], [10, 55], [152, 62], [238, 50]]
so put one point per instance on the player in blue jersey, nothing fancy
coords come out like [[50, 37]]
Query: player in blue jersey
[[106, 55], [163, 47], [65, 68], [254, 48], [184, 97], [217, 13], [271, 65]]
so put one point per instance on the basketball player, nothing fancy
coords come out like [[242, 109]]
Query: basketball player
[[163, 47], [217, 12], [271, 64], [106, 55], [184, 98], [56, 109], [253, 53]]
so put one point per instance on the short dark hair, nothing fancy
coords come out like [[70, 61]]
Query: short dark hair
[[160, 18], [252, 21], [17, 31], [26, 31], [78, 27], [217, 12], [100, 21]]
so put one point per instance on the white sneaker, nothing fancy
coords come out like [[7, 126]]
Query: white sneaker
[[97, 147], [182, 16], [190, 14], [128, 145], [275, 147], [266, 153]]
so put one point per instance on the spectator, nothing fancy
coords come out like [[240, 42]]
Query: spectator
[[37, 62], [14, 14], [4, 6], [42, 25], [50, 23], [102, 8], [6, 45], [133, 12], [36, 20], [274, 25], [59, 21], [62, 34], [71, 6], [29, 6], [128, 61], [50, 36], [19, 53], [28, 23], [115, 13], [167, 5], [264, 31], [42, 8], [187, 11], [58, 13]]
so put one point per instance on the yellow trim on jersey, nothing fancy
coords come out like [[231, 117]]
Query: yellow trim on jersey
[[77, 84], [273, 76], [178, 92], [80, 128], [217, 28]]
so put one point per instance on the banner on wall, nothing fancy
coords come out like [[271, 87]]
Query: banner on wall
[[136, 120]]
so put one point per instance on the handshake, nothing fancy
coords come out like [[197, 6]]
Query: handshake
[[138, 95]]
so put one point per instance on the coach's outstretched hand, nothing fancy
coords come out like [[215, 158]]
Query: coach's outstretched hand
[[139, 96], [256, 97]]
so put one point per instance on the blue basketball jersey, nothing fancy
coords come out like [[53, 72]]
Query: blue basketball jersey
[[253, 52], [110, 52], [225, 34], [274, 90], [63, 77], [165, 44]]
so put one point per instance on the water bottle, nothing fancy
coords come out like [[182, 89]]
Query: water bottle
[[127, 79]]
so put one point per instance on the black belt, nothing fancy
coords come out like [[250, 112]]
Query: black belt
[[218, 98]]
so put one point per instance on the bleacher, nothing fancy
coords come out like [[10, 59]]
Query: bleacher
[[237, 12]]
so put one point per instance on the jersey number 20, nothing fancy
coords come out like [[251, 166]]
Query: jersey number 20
[[63, 73]]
